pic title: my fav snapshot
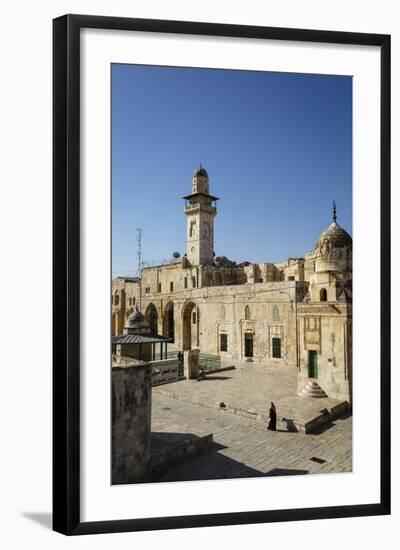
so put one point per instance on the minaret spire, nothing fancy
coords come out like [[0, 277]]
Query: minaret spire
[[334, 211], [200, 210]]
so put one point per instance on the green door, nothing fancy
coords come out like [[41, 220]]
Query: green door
[[312, 364], [248, 345], [276, 348]]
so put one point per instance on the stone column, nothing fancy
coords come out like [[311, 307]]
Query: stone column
[[191, 363], [131, 423]]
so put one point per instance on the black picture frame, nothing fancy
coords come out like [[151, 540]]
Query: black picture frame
[[66, 272]]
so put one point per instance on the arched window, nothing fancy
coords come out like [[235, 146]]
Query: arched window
[[247, 313], [209, 279], [151, 317], [275, 314], [323, 296]]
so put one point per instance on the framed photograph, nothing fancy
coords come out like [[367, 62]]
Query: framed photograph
[[221, 274]]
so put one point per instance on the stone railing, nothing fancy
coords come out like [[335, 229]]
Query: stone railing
[[123, 361], [166, 371]]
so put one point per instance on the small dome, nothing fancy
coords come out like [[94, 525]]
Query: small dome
[[332, 238], [200, 171], [136, 319], [222, 261]]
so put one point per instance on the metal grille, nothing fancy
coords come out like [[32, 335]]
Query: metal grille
[[209, 363], [170, 355]]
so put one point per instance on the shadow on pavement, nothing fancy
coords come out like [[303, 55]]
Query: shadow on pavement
[[285, 472], [211, 464], [165, 440]]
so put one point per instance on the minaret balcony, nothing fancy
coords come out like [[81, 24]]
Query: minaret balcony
[[200, 207]]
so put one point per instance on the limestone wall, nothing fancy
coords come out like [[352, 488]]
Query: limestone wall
[[222, 310], [327, 330], [131, 422], [124, 298], [291, 270], [157, 280]]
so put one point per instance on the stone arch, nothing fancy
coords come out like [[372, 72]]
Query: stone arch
[[128, 313], [323, 295], [118, 322], [169, 322], [247, 314], [190, 326], [275, 314], [209, 279], [114, 325], [218, 278], [151, 317]]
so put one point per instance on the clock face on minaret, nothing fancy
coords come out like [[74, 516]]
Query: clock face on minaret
[[200, 212]]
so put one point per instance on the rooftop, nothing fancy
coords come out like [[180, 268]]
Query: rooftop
[[138, 339]]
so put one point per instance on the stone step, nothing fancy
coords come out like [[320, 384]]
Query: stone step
[[312, 389]]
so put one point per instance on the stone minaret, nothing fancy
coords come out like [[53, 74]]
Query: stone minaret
[[200, 210]]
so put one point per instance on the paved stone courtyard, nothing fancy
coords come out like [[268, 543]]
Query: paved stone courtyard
[[248, 390], [245, 448], [242, 446]]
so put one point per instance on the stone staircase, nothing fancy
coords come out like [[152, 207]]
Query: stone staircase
[[312, 389]]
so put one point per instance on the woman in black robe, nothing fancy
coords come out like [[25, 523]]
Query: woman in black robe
[[272, 418]]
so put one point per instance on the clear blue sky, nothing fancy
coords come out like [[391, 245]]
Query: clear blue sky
[[277, 148]]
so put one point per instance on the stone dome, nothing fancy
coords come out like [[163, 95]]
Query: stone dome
[[200, 171], [334, 237], [222, 261], [136, 320]]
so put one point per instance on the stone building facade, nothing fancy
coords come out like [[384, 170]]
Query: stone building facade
[[294, 313]]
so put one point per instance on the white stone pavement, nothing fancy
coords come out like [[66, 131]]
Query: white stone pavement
[[245, 448], [248, 390]]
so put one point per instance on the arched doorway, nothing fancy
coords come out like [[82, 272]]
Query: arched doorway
[[114, 325], [209, 279], [168, 322], [191, 326], [248, 344], [151, 317]]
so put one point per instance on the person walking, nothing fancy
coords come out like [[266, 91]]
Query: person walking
[[272, 418]]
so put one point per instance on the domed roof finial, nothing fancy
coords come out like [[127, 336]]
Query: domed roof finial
[[334, 211], [200, 171]]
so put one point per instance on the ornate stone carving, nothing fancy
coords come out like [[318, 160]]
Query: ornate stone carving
[[331, 239]]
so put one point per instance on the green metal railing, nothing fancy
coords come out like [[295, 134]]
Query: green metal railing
[[181, 368], [209, 363]]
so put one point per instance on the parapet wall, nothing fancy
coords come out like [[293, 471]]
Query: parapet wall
[[131, 423]]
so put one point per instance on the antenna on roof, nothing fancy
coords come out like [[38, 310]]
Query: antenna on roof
[[334, 211], [139, 262]]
